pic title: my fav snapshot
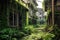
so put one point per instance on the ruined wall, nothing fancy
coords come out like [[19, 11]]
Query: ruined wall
[[7, 6]]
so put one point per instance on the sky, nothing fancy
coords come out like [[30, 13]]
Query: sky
[[39, 2]]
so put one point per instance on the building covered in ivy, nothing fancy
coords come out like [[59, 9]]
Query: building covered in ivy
[[12, 13], [53, 9]]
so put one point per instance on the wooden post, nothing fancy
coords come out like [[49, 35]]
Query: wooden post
[[7, 16], [17, 14], [27, 19], [53, 12], [13, 18]]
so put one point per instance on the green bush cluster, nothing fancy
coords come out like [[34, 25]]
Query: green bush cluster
[[56, 31], [39, 36], [10, 34], [27, 33], [34, 34]]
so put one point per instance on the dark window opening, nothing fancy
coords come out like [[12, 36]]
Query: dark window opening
[[15, 18]]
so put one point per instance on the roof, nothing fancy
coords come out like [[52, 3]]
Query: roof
[[12, 5], [22, 3]]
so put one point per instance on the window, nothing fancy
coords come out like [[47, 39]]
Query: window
[[14, 18], [14, 14]]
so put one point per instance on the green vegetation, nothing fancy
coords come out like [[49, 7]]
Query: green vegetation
[[27, 33], [37, 34], [10, 33]]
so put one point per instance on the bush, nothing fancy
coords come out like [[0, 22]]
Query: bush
[[34, 34], [39, 36], [27, 33], [29, 29], [9, 33]]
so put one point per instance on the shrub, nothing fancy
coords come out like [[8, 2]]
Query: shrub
[[9, 33], [39, 36]]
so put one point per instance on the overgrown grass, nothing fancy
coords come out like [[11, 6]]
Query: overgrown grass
[[35, 34], [29, 32]]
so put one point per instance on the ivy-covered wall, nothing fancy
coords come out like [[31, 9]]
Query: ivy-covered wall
[[8, 5]]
